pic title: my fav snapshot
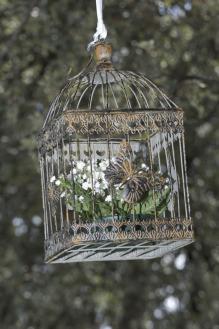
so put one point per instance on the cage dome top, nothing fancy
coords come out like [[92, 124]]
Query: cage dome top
[[102, 99], [102, 87]]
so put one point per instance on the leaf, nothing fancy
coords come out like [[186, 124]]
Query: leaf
[[157, 199]]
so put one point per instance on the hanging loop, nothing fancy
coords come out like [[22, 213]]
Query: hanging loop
[[101, 31]]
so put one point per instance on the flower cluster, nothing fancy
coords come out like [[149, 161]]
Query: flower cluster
[[90, 175], [86, 190]]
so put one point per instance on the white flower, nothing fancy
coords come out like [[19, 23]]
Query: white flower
[[144, 166], [89, 168], [108, 198], [58, 182], [102, 175], [167, 180], [104, 164], [69, 207], [62, 195], [80, 165], [113, 160], [89, 180], [105, 184], [86, 186], [97, 185], [52, 179], [72, 173], [81, 198], [84, 176], [97, 174], [166, 187]]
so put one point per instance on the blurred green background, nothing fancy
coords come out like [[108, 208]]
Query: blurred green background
[[176, 44]]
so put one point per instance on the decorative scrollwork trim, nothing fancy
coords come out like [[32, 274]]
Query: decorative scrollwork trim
[[153, 230], [114, 122]]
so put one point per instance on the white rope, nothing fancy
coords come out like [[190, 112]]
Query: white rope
[[101, 31]]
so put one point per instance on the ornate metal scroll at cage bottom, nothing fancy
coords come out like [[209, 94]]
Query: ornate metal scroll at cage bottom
[[113, 169]]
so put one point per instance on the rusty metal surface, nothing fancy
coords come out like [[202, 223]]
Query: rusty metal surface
[[93, 113], [119, 231]]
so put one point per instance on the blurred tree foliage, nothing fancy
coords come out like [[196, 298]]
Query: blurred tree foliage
[[176, 43]]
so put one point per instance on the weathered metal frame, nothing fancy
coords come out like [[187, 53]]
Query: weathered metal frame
[[88, 106]]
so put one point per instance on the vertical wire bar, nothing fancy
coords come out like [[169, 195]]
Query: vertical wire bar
[[110, 188], [43, 198], [91, 96], [151, 166], [158, 155], [122, 89], [93, 86], [114, 98], [53, 172], [82, 95], [92, 177], [76, 89], [72, 180], [48, 202], [130, 77], [183, 178], [102, 90], [169, 173], [107, 92], [159, 163], [127, 138], [186, 177], [64, 173], [142, 94], [54, 216], [78, 149], [142, 83], [127, 77], [174, 163]]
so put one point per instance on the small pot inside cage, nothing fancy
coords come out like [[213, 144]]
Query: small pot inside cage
[[113, 168]]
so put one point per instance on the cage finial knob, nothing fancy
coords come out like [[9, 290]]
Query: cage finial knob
[[103, 54]]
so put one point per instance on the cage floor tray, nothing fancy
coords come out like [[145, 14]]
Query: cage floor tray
[[107, 251]]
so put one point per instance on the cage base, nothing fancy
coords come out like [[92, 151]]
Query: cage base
[[108, 251]]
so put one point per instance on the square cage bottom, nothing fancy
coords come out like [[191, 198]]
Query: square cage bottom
[[108, 251]]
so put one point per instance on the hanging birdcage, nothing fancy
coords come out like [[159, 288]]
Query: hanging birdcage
[[113, 169]]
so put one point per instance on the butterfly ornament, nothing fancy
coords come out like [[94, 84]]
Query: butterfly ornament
[[135, 183]]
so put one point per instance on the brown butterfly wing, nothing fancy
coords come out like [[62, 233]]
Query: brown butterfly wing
[[135, 189], [121, 167], [155, 180], [114, 174], [138, 185]]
